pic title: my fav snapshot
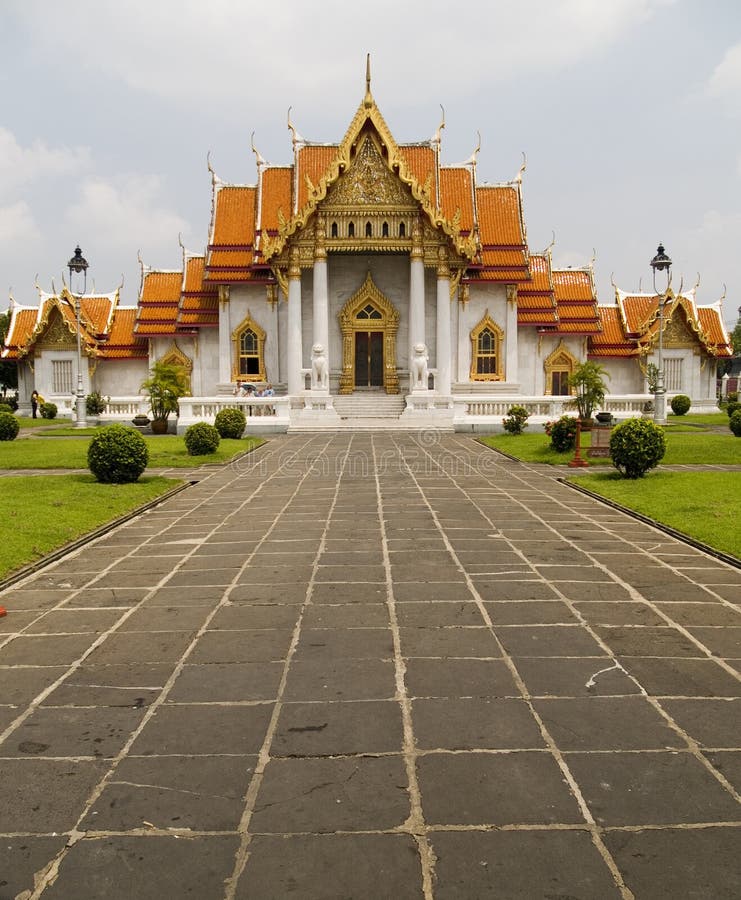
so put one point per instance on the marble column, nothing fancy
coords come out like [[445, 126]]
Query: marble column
[[442, 339], [511, 373], [295, 380], [225, 336], [416, 291], [321, 294]]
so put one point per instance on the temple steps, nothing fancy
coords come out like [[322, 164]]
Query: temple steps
[[369, 406], [376, 425]]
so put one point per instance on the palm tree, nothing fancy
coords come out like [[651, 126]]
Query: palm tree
[[166, 385], [588, 381]]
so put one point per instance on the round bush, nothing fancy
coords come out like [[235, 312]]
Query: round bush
[[6, 408], [563, 434], [201, 439], [637, 446], [732, 407], [734, 423], [48, 410], [680, 404], [9, 426], [516, 419], [117, 454], [230, 423]]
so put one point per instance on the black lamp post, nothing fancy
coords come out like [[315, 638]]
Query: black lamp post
[[661, 263], [79, 264]]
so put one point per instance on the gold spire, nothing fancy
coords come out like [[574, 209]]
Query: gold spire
[[368, 101]]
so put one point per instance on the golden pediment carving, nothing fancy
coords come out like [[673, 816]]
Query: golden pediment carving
[[678, 334], [57, 335], [368, 183]]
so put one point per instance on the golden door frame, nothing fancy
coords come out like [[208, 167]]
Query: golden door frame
[[350, 324]]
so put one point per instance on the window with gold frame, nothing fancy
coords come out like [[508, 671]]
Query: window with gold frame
[[559, 367], [486, 351], [249, 351]]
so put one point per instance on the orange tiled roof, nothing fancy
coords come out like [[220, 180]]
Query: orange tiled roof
[[231, 251], [23, 321], [713, 327], [536, 302], [276, 192], [637, 310], [158, 302], [504, 255], [576, 301], [611, 341], [456, 194], [313, 161], [420, 161], [161, 287], [199, 301], [122, 343]]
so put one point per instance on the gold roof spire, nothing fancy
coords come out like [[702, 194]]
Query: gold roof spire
[[368, 101]]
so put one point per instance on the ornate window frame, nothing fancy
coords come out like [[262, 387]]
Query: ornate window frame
[[248, 324], [174, 356], [487, 324], [559, 360]]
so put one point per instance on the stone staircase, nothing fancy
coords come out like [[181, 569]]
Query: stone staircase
[[372, 411], [369, 406]]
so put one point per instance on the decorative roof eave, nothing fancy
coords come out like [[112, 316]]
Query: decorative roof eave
[[368, 112], [50, 302]]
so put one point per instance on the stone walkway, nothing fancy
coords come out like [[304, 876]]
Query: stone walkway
[[376, 666]]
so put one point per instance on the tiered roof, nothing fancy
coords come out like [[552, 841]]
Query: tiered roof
[[106, 329], [576, 301], [536, 299]]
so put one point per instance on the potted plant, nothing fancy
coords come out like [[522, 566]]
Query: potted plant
[[166, 385], [588, 383]]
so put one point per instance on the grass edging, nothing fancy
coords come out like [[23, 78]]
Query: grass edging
[[667, 529], [54, 555]]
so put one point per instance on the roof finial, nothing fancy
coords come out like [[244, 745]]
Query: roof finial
[[471, 161], [640, 284], [437, 138], [53, 287], [214, 177], [259, 159], [697, 283], [521, 172], [368, 101], [612, 280], [295, 136], [552, 243], [120, 287], [593, 259], [723, 295]]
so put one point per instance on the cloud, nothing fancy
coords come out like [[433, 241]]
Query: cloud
[[725, 82], [22, 165], [222, 53], [17, 223]]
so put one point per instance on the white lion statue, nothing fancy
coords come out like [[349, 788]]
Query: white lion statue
[[419, 367], [319, 368]]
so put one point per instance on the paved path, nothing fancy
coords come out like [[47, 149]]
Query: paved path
[[373, 667]]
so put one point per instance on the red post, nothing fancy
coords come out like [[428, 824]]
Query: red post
[[577, 462]]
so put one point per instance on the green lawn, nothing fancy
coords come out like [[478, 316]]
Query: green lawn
[[702, 505], [55, 452], [44, 512]]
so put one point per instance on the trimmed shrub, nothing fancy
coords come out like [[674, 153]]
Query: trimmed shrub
[[515, 422], [734, 423], [48, 410], [117, 454], [230, 423], [680, 404], [9, 426], [94, 404], [563, 434], [732, 407], [637, 446], [201, 439], [732, 396], [6, 408]]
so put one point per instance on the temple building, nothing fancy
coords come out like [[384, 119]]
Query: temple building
[[367, 280]]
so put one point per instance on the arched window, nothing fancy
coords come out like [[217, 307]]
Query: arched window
[[351, 229], [402, 230], [249, 351], [368, 230], [486, 351], [559, 367], [385, 229], [334, 229]]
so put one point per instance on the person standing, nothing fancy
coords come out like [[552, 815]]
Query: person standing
[[35, 400]]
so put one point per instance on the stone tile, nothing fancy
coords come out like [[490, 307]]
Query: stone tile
[[722, 641], [712, 723], [26, 786], [136, 647], [446, 573], [21, 858], [446, 642], [432, 592], [133, 685], [598, 591], [650, 789], [346, 615], [340, 679], [696, 863], [202, 793], [195, 595], [617, 612], [256, 615], [45, 650], [122, 867], [348, 593], [682, 677], [338, 729], [338, 643], [72, 731], [606, 723], [728, 763], [327, 795], [683, 592], [258, 645], [520, 865], [459, 678], [577, 677], [227, 682], [475, 723], [270, 594], [17, 620], [21, 684], [34, 598], [648, 641], [701, 613], [547, 640], [530, 588], [530, 612], [192, 730], [362, 866], [76, 621], [428, 613], [494, 789], [166, 618]]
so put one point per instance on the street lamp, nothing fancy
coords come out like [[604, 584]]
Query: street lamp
[[661, 263], [79, 264]]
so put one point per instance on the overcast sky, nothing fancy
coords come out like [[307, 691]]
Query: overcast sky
[[629, 113]]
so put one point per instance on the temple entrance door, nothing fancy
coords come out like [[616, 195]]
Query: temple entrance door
[[368, 359]]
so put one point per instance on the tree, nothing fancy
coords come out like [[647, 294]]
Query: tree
[[166, 385], [8, 367], [588, 381]]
